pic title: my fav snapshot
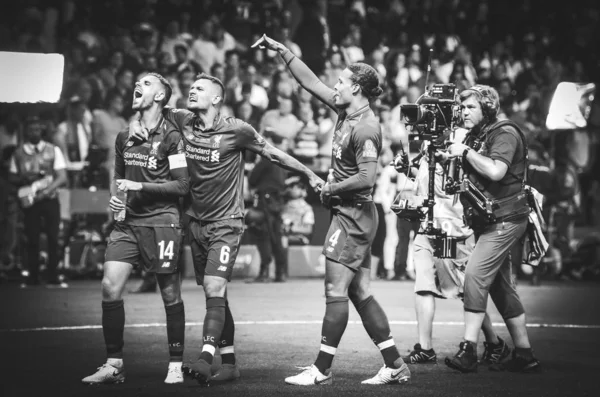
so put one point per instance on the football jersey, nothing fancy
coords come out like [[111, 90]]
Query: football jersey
[[356, 140], [149, 161], [215, 158]]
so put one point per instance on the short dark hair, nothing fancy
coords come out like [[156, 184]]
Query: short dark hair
[[214, 80], [166, 85], [366, 77]]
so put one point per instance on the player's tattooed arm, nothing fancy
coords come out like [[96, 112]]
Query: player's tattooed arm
[[288, 162]]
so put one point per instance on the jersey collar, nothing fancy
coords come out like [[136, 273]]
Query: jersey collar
[[215, 126], [358, 113], [158, 127]]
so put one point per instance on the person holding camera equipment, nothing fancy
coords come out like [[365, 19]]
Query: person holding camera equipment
[[495, 200], [441, 277]]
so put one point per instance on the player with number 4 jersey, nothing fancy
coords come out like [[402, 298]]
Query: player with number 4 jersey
[[348, 193], [153, 173], [215, 146]]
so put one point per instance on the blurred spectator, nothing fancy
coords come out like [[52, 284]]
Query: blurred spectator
[[306, 146], [108, 73], [72, 136], [38, 169], [281, 122], [124, 87], [172, 38], [183, 62], [248, 113], [257, 95], [297, 215], [268, 182], [106, 125], [203, 49]]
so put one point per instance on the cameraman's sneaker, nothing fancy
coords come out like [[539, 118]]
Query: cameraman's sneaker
[[465, 360], [518, 363], [174, 373], [420, 356], [495, 353], [107, 373], [387, 375], [310, 376], [227, 373]]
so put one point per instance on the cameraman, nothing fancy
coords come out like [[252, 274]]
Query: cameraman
[[494, 160], [437, 277]]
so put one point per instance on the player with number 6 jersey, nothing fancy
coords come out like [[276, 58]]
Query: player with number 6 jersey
[[215, 146], [153, 173]]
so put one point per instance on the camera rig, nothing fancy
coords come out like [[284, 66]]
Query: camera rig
[[431, 119]]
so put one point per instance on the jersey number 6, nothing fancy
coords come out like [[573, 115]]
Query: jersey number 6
[[224, 257]]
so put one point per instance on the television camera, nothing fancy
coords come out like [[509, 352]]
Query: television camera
[[431, 119]]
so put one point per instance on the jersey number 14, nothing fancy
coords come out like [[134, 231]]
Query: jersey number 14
[[165, 251]]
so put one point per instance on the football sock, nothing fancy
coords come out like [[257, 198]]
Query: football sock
[[377, 326], [113, 325], [175, 331], [334, 325], [526, 353], [226, 341], [213, 327]]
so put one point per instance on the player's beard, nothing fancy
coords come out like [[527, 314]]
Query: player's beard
[[141, 104]]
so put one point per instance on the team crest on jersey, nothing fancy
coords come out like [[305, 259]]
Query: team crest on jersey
[[129, 144], [217, 141], [344, 137], [369, 149], [154, 150]]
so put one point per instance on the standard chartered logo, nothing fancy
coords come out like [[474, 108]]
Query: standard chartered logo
[[140, 160], [201, 154]]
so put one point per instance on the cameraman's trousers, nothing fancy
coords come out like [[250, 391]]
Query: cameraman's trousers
[[489, 270]]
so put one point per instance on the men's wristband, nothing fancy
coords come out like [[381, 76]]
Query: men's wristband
[[287, 56], [464, 155]]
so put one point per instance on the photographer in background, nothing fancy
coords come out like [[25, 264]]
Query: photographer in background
[[441, 278], [38, 168], [494, 161]]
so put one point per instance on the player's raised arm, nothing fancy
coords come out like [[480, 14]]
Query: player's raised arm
[[302, 73], [248, 138]]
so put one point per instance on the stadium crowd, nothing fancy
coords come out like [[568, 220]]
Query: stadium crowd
[[522, 48]]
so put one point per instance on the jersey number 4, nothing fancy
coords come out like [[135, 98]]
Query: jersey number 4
[[165, 251], [333, 240]]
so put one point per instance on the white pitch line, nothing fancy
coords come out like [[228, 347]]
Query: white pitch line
[[290, 322]]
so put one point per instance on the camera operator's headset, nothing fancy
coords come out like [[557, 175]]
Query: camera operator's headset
[[489, 100]]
